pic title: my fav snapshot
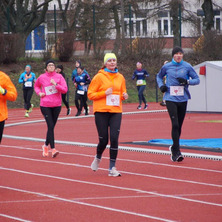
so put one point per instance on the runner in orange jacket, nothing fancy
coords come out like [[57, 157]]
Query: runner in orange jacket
[[7, 92], [107, 90]]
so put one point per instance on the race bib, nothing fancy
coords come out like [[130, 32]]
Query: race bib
[[177, 90], [49, 90], [28, 84], [80, 92], [112, 100], [139, 82]]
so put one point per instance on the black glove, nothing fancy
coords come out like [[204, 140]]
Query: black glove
[[163, 88], [182, 81]]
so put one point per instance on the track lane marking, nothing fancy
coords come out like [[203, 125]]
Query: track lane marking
[[110, 186], [127, 160], [87, 204], [126, 172]]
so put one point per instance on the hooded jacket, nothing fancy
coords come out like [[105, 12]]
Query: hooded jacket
[[11, 95], [172, 70], [53, 93], [98, 86]]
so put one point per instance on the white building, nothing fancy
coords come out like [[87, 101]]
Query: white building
[[143, 24]]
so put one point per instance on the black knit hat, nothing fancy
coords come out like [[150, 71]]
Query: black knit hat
[[176, 50], [60, 67], [49, 61]]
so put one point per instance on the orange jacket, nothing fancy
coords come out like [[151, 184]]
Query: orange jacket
[[10, 95], [99, 84]]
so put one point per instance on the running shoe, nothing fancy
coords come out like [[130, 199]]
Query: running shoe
[[95, 164], [173, 157], [68, 111], [31, 108], [146, 106], [163, 103], [139, 107], [45, 151], [54, 153], [26, 114], [78, 113], [178, 157], [114, 173]]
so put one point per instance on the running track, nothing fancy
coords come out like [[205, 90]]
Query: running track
[[152, 188]]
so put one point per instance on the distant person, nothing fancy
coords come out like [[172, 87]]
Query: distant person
[[27, 78], [179, 75], [7, 92], [140, 74], [74, 74], [163, 103], [81, 82], [59, 69], [50, 86], [107, 90]]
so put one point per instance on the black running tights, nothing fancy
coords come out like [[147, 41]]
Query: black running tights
[[177, 112], [104, 122], [51, 115], [2, 124]]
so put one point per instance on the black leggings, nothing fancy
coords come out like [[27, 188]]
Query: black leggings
[[27, 95], [65, 101], [2, 124], [177, 112], [83, 101], [51, 115], [105, 120]]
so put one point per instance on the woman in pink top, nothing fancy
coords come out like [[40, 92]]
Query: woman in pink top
[[50, 86]]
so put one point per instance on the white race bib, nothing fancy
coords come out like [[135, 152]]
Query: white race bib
[[49, 90], [177, 90], [80, 92], [112, 100], [139, 82], [28, 84]]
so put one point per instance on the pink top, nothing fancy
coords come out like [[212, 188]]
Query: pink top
[[53, 93]]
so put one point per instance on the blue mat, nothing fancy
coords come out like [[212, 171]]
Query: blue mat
[[208, 143]]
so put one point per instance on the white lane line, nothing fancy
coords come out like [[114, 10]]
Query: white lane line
[[13, 218], [88, 204], [125, 172], [82, 117], [126, 148], [110, 186], [114, 197], [120, 159]]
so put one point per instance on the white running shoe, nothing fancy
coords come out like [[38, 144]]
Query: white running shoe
[[114, 173], [95, 164]]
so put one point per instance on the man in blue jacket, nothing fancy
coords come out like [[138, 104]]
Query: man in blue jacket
[[179, 75]]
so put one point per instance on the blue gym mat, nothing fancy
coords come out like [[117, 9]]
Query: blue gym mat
[[208, 142]]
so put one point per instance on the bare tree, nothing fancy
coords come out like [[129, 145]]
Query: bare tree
[[208, 21], [23, 16]]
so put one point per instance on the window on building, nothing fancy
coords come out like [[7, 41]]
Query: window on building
[[137, 28], [217, 19], [218, 24], [144, 27], [165, 24], [126, 27]]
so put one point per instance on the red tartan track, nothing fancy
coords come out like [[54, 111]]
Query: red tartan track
[[152, 187]]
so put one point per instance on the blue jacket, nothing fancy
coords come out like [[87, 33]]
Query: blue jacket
[[30, 81], [140, 75], [74, 73], [84, 78], [172, 71]]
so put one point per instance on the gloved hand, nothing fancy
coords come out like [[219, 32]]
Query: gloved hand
[[163, 88], [2, 91], [182, 81]]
